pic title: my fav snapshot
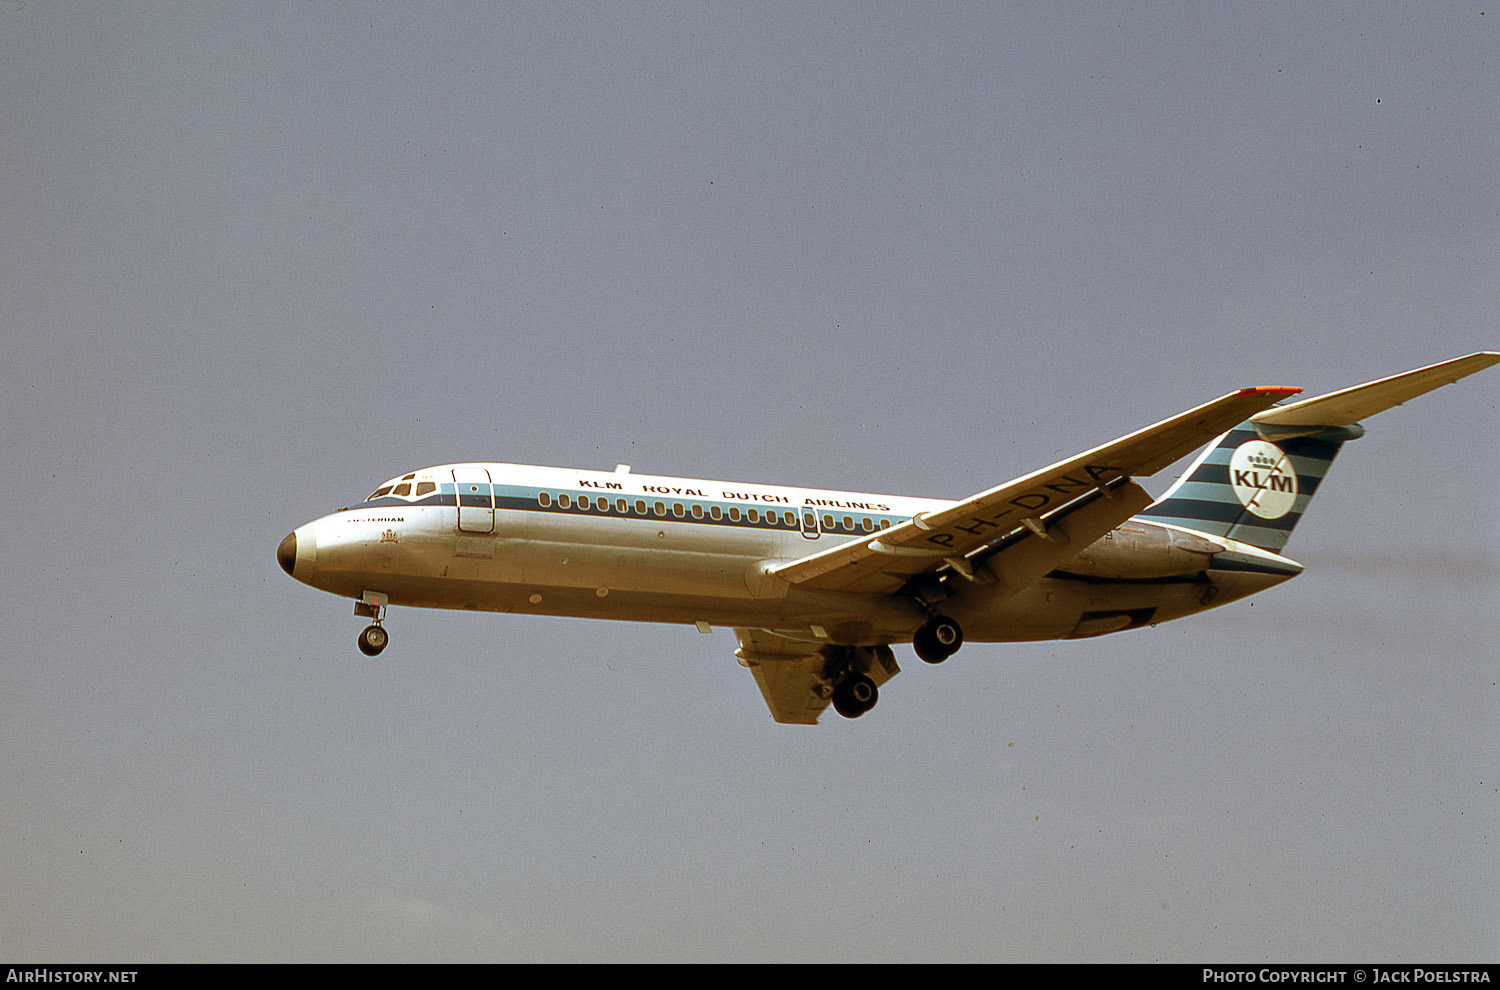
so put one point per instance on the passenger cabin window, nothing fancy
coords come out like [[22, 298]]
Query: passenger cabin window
[[544, 499]]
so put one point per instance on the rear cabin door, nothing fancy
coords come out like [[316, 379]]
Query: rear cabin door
[[476, 500]]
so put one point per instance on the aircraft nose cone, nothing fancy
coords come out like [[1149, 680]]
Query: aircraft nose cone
[[286, 553]]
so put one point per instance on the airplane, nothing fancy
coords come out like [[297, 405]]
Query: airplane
[[820, 585]]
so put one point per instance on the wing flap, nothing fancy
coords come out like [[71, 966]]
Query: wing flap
[[883, 562], [790, 675]]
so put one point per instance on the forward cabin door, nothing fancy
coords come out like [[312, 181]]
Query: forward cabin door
[[476, 500]]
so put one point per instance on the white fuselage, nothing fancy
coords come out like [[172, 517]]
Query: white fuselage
[[617, 545]]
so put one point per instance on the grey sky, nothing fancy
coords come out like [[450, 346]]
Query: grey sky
[[256, 259]]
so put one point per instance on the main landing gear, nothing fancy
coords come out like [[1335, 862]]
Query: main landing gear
[[937, 639], [373, 638], [856, 673], [855, 695]]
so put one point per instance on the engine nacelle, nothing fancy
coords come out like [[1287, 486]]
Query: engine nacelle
[[1144, 550]]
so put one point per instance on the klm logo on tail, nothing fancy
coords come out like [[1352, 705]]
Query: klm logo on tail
[[1263, 479], [1251, 489]]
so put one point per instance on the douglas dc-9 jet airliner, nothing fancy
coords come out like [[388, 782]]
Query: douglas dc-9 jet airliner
[[819, 585]]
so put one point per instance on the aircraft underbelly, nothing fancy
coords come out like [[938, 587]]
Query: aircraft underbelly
[[1070, 607], [663, 572], [1060, 608], [630, 583], [638, 573]]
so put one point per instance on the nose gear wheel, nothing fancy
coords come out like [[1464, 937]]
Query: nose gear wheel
[[373, 639]]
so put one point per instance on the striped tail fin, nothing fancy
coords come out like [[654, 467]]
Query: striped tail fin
[[1250, 488], [1254, 483]]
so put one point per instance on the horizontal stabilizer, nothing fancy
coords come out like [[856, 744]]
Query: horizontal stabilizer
[[1350, 405]]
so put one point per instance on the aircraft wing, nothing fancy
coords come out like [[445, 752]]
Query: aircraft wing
[[794, 676], [788, 673], [1066, 506]]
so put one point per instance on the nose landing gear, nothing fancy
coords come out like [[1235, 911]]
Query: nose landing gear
[[373, 638]]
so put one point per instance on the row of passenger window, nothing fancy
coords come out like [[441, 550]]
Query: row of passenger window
[[783, 518]]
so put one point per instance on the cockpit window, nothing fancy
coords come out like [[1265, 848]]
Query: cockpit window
[[379, 492], [402, 489], [424, 487]]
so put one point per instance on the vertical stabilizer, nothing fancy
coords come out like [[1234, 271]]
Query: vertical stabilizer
[[1254, 483], [1251, 489]]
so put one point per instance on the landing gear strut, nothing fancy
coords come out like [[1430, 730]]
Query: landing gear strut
[[938, 639]]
